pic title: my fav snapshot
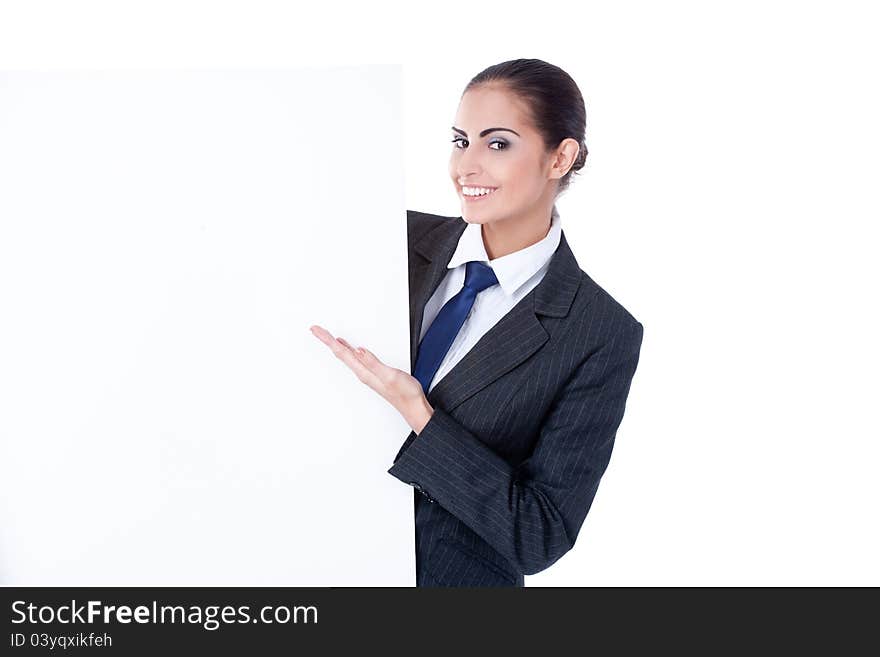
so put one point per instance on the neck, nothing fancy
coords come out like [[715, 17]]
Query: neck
[[511, 234]]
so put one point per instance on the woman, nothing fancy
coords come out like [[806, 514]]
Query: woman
[[523, 363]]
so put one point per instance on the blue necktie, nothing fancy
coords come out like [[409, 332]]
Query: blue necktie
[[449, 321]]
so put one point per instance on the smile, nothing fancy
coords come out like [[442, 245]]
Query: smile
[[476, 193]]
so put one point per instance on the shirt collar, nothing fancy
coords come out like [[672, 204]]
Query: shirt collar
[[513, 269]]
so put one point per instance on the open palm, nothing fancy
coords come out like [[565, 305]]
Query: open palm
[[399, 388]]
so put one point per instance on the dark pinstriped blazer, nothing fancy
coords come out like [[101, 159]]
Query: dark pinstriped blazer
[[507, 467]]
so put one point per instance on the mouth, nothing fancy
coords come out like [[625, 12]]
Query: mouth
[[477, 193]]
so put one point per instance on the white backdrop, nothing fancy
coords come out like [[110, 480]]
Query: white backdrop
[[729, 202], [166, 240]]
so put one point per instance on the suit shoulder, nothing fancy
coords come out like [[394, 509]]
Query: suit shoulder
[[419, 224], [596, 299]]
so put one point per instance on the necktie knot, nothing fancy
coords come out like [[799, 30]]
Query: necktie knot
[[479, 276]]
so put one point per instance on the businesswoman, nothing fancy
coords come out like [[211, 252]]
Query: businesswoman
[[521, 363]]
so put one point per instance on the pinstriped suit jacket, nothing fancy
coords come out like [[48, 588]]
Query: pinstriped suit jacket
[[507, 467]]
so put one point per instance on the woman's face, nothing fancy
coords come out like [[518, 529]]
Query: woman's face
[[512, 161]]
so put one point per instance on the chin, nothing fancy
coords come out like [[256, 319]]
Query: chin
[[476, 215], [472, 218], [481, 216]]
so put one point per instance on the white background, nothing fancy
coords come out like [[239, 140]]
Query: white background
[[729, 202]]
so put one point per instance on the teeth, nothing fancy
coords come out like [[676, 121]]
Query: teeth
[[476, 191]]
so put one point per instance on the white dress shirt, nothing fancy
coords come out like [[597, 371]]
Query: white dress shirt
[[517, 273]]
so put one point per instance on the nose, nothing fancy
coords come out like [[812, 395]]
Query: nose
[[467, 165]]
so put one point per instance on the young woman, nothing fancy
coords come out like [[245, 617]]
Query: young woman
[[521, 363]]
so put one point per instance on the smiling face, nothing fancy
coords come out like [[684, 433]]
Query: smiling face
[[496, 147]]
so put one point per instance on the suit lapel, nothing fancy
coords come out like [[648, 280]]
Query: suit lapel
[[515, 337], [426, 272]]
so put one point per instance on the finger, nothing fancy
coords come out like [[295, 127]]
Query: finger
[[384, 372], [348, 347], [351, 359], [322, 334], [337, 345], [369, 357], [348, 355]]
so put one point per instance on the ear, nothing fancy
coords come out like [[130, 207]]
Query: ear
[[564, 157]]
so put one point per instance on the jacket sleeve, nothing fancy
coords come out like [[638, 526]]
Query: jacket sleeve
[[531, 514]]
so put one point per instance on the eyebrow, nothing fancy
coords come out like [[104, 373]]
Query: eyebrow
[[486, 131]]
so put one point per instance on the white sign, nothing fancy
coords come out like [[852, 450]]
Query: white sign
[[166, 240]]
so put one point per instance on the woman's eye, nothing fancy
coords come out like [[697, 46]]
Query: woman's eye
[[461, 142]]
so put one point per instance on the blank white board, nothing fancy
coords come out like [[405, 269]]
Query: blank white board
[[166, 240]]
